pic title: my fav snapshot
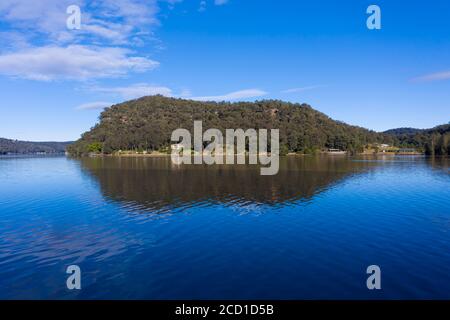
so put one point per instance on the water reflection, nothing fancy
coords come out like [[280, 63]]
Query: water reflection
[[439, 163], [156, 184], [389, 211]]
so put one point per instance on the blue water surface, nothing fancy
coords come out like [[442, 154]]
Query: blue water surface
[[141, 228]]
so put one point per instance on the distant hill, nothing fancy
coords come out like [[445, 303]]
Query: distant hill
[[147, 124], [433, 141], [411, 131], [402, 131], [8, 146]]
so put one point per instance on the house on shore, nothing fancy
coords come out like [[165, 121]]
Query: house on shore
[[407, 151], [176, 147], [336, 151]]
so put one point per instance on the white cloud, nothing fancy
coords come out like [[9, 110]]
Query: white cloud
[[300, 89], [220, 2], [122, 20], [438, 76], [36, 44], [94, 105], [144, 89], [242, 94], [108, 32], [37, 17], [101, 19], [76, 62], [136, 90], [203, 4]]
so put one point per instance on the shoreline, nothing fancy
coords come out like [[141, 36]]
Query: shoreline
[[163, 155]]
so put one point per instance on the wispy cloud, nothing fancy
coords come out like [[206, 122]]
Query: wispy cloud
[[203, 4], [100, 19], [74, 62], [46, 16], [135, 91], [438, 76], [94, 105], [242, 94], [143, 89], [301, 89], [111, 32], [220, 2]]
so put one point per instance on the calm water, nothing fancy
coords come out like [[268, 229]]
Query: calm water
[[143, 228]]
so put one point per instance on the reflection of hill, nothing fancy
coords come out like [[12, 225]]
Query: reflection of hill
[[157, 184]]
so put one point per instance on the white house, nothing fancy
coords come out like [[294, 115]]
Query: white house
[[176, 147]]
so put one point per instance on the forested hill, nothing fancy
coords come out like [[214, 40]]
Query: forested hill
[[432, 141], [147, 124], [442, 129], [8, 146], [402, 131]]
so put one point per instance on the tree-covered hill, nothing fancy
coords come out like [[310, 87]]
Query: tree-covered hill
[[147, 124], [26, 147], [402, 131], [433, 141]]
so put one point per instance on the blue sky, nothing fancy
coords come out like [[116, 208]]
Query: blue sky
[[55, 81]]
